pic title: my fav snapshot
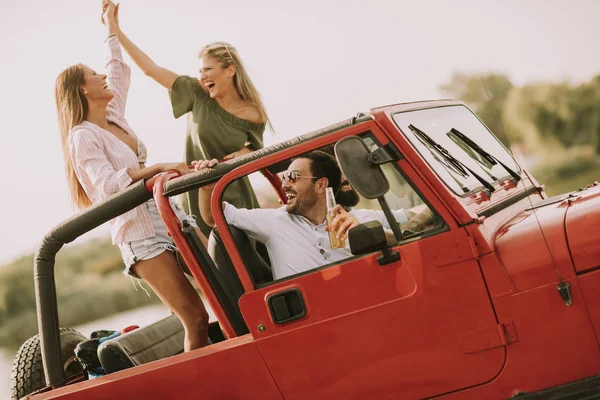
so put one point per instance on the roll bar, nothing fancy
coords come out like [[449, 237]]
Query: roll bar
[[119, 203], [43, 268]]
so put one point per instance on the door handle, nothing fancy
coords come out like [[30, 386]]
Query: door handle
[[286, 306]]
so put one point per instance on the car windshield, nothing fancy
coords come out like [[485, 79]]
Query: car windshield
[[439, 124]]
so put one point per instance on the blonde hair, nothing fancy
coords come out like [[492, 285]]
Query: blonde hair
[[227, 55], [72, 108]]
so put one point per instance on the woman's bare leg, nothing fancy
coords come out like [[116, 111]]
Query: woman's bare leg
[[170, 284]]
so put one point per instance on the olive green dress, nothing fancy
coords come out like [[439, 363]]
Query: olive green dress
[[213, 132]]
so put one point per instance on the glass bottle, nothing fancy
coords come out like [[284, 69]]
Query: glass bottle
[[334, 242]]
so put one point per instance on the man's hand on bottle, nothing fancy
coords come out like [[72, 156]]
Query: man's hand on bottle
[[342, 222]]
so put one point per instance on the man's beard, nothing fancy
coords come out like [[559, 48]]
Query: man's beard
[[301, 205], [292, 209], [347, 198]]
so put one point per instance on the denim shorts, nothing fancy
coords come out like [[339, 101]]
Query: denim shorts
[[146, 249]]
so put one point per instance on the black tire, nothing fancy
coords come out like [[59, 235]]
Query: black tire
[[28, 372]]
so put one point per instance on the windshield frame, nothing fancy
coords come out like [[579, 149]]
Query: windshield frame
[[435, 168]]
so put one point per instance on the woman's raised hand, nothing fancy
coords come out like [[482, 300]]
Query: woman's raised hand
[[110, 13]]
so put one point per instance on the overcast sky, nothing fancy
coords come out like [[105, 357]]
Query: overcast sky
[[315, 63]]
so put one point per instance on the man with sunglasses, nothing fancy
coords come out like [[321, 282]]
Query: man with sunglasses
[[296, 235]]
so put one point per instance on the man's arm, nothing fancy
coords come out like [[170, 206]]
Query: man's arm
[[256, 223], [419, 218], [390, 237]]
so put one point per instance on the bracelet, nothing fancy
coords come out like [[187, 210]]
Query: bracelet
[[110, 36]]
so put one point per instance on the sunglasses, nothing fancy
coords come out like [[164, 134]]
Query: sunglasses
[[293, 176]]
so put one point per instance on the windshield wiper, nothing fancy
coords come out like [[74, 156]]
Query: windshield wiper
[[452, 169], [453, 161], [484, 154]]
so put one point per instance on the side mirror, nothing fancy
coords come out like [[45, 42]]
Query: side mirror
[[365, 176], [363, 171], [368, 238]]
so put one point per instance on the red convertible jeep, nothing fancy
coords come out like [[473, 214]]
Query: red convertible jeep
[[490, 291]]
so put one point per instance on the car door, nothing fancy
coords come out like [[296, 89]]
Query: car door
[[414, 328]]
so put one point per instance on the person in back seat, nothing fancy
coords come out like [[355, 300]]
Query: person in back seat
[[296, 235]]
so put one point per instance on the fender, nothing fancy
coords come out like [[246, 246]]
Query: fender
[[532, 246]]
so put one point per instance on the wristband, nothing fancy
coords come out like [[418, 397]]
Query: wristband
[[110, 36]]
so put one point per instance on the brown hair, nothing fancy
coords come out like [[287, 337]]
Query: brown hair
[[227, 55], [72, 108], [323, 165]]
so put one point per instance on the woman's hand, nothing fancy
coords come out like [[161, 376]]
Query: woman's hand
[[180, 167], [110, 15], [241, 152], [342, 222], [204, 164], [154, 169]]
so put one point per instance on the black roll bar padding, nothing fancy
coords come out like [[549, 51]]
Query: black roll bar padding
[[194, 180], [43, 269]]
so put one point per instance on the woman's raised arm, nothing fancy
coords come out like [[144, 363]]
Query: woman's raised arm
[[119, 73], [161, 75]]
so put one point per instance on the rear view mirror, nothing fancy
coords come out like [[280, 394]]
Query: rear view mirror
[[362, 169], [364, 176]]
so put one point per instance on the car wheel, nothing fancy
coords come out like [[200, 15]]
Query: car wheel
[[28, 372]]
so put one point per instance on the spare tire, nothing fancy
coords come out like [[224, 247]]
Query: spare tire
[[28, 372]]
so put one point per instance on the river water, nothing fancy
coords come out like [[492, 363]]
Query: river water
[[140, 316]]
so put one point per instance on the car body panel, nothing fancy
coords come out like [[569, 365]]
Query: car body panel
[[556, 344], [590, 282], [522, 249], [231, 369], [376, 331]]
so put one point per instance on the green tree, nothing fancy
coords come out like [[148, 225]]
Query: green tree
[[486, 95], [562, 112], [586, 113], [89, 285]]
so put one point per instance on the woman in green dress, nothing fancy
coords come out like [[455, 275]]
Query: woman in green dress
[[227, 117]]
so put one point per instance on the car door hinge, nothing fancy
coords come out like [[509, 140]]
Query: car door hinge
[[564, 289], [488, 338]]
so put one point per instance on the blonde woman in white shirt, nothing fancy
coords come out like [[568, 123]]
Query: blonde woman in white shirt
[[103, 156]]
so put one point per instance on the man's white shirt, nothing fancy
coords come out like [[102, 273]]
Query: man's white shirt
[[293, 242]]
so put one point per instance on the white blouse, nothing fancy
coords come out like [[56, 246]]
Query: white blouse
[[101, 160]]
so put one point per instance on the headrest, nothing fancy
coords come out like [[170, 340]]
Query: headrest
[[259, 270]]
